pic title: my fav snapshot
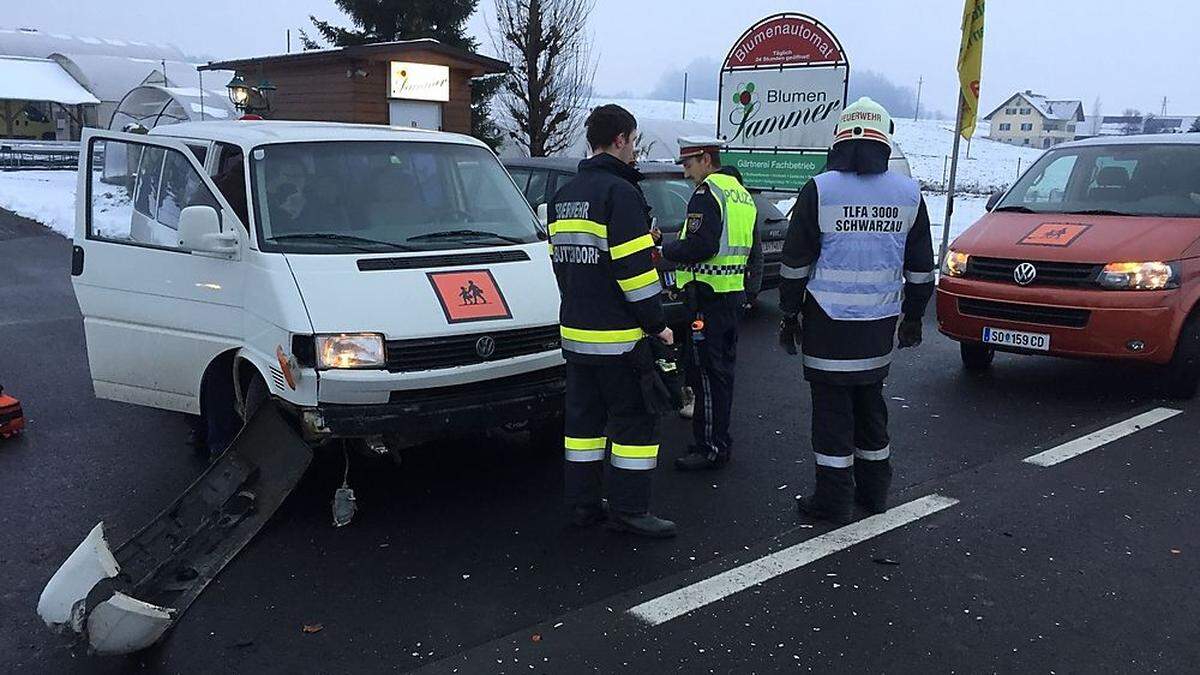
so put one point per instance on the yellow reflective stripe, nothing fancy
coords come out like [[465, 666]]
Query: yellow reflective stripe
[[601, 336], [585, 443], [635, 451], [579, 225], [632, 246], [641, 280]]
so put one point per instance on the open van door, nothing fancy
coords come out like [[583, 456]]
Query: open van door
[[156, 269]]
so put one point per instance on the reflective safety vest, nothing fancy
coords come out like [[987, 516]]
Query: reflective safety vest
[[725, 272], [864, 221]]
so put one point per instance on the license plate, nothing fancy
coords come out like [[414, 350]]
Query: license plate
[[772, 246], [1016, 338]]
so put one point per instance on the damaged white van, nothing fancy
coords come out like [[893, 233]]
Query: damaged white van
[[376, 283]]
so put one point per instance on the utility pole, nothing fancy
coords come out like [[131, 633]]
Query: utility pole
[[685, 83], [289, 40], [917, 112], [1164, 107]]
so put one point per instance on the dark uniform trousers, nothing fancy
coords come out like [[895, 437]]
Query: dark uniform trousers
[[849, 428], [606, 415], [711, 357]]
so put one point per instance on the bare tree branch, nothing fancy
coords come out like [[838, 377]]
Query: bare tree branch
[[548, 87]]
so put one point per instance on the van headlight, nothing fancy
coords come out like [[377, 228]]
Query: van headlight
[[349, 351], [1140, 276], [955, 264]]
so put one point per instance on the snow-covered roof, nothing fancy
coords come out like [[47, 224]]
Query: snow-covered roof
[[1139, 139], [32, 42], [1064, 110], [151, 105], [39, 80], [249, 133]]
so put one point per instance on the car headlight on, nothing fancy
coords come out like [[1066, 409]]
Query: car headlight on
[[955, 263], [1140, 276], [350, 350]]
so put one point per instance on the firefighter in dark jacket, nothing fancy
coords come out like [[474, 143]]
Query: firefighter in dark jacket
[[713, 249], [601, 247], [858, 254]]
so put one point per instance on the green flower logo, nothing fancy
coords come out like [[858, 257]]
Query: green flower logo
[[745, 95]]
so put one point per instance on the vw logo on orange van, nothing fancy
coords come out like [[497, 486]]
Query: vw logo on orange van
[[1024, 274], [485, 347]]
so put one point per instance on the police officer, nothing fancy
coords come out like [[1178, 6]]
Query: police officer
[[713, 248], [601, 247], [858, 254]]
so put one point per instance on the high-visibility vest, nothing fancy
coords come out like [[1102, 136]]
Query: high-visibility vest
[[725, 272], [864, 221]]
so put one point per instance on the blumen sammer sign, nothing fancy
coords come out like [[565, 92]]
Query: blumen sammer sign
[[783, 86]]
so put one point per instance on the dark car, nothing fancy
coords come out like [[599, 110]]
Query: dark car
[[668, 191]]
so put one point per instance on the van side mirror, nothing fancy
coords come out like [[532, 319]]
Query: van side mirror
[[543, 213], [994, 200], [200, 232]]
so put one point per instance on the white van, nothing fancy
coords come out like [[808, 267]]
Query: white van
[[374, 281]]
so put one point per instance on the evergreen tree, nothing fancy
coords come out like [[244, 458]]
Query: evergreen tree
[[392, 20]]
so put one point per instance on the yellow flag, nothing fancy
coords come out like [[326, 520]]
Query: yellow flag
[[970, 61]]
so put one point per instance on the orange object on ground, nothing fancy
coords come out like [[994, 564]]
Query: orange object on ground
[[11, 419]]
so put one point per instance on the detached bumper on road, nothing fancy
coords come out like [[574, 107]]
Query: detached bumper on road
[[1081, 323], [468, 408]]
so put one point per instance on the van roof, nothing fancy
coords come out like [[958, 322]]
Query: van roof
[[571, 165], [250, 133], [1139, 139]]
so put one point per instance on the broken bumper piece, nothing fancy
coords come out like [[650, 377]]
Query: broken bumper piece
[[124, 601]]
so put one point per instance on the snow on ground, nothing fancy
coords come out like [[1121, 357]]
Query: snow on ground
[[45, 196]]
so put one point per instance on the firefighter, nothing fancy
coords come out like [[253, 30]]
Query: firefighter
[[858, 255], [712, 249], [601, 247]]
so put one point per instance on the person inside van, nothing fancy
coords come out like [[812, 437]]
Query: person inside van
[[286, 196]]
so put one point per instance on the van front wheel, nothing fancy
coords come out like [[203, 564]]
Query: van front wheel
[[1183, 373], [976, 356]]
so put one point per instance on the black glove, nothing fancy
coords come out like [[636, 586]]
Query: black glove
[[789, 333], [909, 333]]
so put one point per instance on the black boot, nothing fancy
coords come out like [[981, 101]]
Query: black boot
[[698, 460], [587, 515], [642, 524], [872, 479], [832, 500]]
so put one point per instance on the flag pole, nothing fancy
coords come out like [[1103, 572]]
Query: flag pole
[[950, 186]]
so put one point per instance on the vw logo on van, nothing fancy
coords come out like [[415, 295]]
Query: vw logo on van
[[1024, 274], [485, 347]]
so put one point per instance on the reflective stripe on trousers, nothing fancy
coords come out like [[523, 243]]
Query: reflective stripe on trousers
[[634, 457], [585, 449], [873, 455], [599, 342]]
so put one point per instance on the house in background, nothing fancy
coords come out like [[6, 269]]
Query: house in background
[[1032, 120]]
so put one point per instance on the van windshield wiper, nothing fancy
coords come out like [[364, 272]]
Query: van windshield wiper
[[1014, 209], [1099, 212], [458, 234], [363, 242]]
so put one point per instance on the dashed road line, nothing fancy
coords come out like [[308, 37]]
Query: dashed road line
[[677, 603], [1103, 437]]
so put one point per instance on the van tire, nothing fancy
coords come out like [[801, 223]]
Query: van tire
[[253, 397], [1183, 372], [976, 356]]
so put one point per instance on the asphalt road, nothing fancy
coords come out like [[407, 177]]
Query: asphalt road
[[461, 560]]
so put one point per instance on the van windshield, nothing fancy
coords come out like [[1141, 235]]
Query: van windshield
[[1136, 180], [375, 196]]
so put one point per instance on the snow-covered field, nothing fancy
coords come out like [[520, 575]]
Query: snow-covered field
[[45, 196]]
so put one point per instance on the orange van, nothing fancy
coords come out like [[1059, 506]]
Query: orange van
[[1093, 253]]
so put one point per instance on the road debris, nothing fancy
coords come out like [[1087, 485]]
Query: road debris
[[310, 628]]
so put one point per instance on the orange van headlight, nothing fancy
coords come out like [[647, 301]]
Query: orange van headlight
[[1140, 276], [350, 350], [955, 264]]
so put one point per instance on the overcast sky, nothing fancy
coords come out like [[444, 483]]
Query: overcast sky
[[1128, 54]]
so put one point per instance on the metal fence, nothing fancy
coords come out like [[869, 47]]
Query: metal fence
[[16, 155]]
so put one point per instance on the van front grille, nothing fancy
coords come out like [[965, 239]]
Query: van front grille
[[1011, 311], [463, 350], [1048, 273]]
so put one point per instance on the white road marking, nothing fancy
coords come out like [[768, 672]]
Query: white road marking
[[1103, 437], [677, 603]]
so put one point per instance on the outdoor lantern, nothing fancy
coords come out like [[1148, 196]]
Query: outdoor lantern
[[250, 98], [239, 91]]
